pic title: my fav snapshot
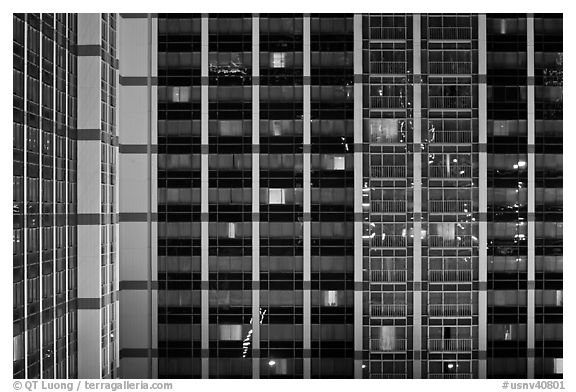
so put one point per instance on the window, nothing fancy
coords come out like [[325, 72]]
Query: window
[[558, 366], [339, 163], [231, 230], [230, 332], [278, 366], [386, 130], [508, 332], [179, 94], [278, 60], [384, 339], [18, 344], [16, 241], [330, 298], [276, 196]]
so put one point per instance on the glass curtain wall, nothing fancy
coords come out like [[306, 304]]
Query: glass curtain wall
[[44, 196], [548, 77], [281, 198], [507, 148], [332, 201], [179, 196], [388, 192], [450, 194]]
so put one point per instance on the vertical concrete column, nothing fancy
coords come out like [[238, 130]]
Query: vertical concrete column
[[204, 196], [358, 185], [306, 189], [89, 197], [531, 197], [152, 154], [417, 160], [137, 163], [255, 196], [482, 199]]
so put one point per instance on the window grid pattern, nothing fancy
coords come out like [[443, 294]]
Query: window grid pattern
[[548, 94], [507, 177], [179, 218], [44, 196], [388, 193], [450, 194]]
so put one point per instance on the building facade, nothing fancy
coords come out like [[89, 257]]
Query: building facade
[[312, 196], [45, 206], [64, 175], [344, 180]]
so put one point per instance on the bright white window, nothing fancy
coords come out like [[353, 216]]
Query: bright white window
[[231, 230], [508, 332], [559, 298], [330, 298], [386, 340], [278, 60], [276, 196], [558, 366], [339, 163]]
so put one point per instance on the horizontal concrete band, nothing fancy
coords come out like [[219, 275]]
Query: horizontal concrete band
[[205, 217], [138, 81], [88, 50], [96, 303], [137, 149], [88, 219], [138, 285], [137, 217], [96, 135], [307, 80], [205, 353], [306, 353], [138, 16], [307, 216], [142, 285], [307, 148], [95, 51]]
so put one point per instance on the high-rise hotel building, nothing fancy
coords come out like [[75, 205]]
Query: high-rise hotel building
[[305, 196]]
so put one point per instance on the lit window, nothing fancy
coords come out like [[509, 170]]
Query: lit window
[[385, 338], [230, 332], [339, 163], [276, 128], [276, 196], [278, 60], [180, 94], [330, 298], [278, 366], [559, 299], [231, 230], [386, 130], [558, 366], [508, 332]]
